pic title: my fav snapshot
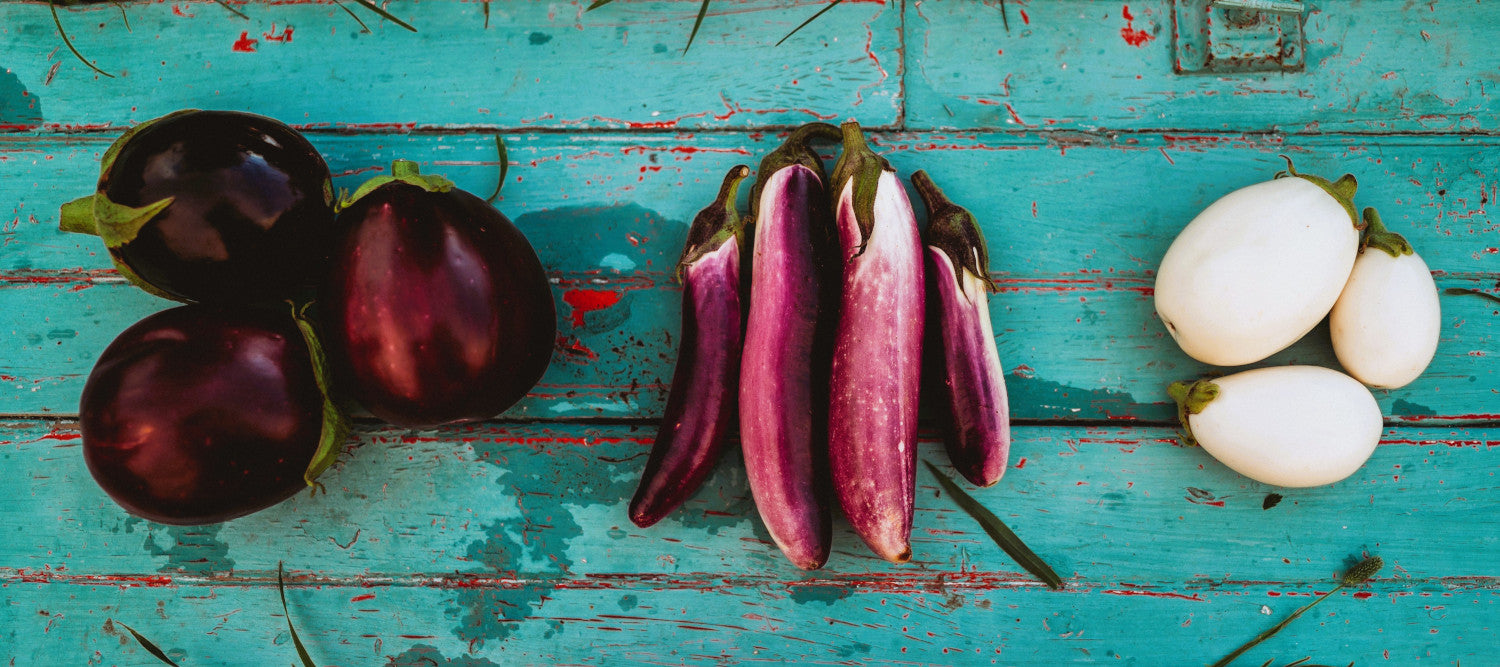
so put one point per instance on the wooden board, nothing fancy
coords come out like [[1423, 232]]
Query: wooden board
[[1070, 136]]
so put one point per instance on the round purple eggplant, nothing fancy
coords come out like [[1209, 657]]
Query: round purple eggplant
[[204, 413], [436, 308], [211, 206]]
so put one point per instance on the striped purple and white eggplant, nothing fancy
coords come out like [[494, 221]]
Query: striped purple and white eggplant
[[974, 409], [875, 379], [700, 406], [783, 391]]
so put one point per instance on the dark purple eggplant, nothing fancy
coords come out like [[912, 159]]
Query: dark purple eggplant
[[436, 308], [877, 354], [204, 413], [212, 206], [975, 411], [700, 406], [783, 395]]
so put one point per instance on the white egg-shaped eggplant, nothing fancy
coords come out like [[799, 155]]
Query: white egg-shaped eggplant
[[1294, 426], [1259, 268], [1385, 325]]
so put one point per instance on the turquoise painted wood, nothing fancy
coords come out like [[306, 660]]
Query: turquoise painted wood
[[507, 542]]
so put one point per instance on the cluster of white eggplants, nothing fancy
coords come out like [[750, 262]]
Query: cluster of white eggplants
[[1255, 272]]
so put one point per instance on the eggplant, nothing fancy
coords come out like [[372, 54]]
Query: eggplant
[[975, 411], [876, 374], [700, 405], [784, 370], [211, 206], [203, 413], [436, 307]]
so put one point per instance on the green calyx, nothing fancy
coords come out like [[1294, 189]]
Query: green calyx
[[1191, 398], [1380, 238], [952, 229], [95, 214], [402, 171], [116, 224], [336, 422], [795, 150], [1341, 190], [861, 166], [717, 222]]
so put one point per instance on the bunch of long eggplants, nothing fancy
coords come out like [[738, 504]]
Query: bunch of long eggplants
[[825, 365]]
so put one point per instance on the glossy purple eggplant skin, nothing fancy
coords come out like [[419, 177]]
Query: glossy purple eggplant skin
[[252, 215], [974, 410], [783, 427], [201, 414], [700, 407], [876, 376], [435, 307]]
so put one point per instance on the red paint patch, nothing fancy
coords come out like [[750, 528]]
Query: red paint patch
[[575, 349], [1132, 36], [244, 44], [1024, 18], [362, 598], [177, 11], [1363, 595], [585, 301], [272, 36], [1021, 463]]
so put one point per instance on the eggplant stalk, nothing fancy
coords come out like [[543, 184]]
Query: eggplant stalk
[[700, 406]]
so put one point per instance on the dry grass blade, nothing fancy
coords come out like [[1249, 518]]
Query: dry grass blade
[[362, 27], [385, 14], [297, 641], [150, 647], [52, 4], [232, 10], [504, 168], [998, 531], [810, 19], [1356, 575], [702, 10]]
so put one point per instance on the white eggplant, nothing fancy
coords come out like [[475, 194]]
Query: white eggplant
[[1294, 426], [1259, 268], [1385, 325]]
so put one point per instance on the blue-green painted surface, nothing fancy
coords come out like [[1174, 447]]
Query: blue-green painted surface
[[507, 543]]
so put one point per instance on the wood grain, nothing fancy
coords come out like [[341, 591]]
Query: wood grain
[[608, 214], [532, 533], [507, 543], [538, 65], [1388, 66]]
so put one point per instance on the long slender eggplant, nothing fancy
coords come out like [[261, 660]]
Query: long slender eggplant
[[875, 380], [700, 406], [975, 412], [783, 396]]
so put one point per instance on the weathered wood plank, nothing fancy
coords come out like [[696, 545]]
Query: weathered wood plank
[[1073, 349], [1399, 620], [537, 64], [1379, 66], [1105, 507], [608, 213], [1093, 204]]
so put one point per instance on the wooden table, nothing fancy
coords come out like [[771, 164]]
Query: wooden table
[[1072, 136]]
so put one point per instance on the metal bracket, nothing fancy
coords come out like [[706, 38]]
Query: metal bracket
[[1230, 36]]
